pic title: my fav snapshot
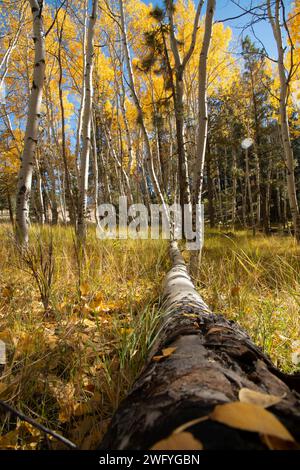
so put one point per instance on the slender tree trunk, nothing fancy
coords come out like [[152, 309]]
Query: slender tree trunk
[[234, 187], [10, 208], [96, 173], [284, 124], [31, 133], [68, 183], [150, 163], [210, 192], [178, 98], [40, 205], [82, 98], [202, 121], [201, 136], [86, 126], [258, 197], [248, 185], [210, 360]]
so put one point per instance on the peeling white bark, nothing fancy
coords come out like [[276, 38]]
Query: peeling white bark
[[87, 118], [178, 286], [82, 99], [202, 103], [31, 133], [136, 101]]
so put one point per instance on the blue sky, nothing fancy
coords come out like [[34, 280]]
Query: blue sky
[[227, 9]]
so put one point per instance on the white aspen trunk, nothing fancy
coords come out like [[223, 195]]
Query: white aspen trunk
[[31, 133], [71, 206], [127, 131], [49, 161], [201, 136], [136, 101], [117, 161], [82, 99], [96, 173], [202, 125], [284, 124], [258, 190], [248, 185], [86, 131], [40, 206], [234, 187], [178, 98]]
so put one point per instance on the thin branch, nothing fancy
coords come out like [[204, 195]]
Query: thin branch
[[54, 19], [41, 427], [194, 35]]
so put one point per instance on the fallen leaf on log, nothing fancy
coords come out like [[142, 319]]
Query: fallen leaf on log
[[258, 398], [274, 443], [190, 315], [249, 417], [165, 353], [180, 441], [168, 351], [218, 329], [189, 424]]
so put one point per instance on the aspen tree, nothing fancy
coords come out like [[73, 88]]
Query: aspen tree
[[202, 123], [86, 125], [275, 21], [149, 156], [31, 133], [180, 65]]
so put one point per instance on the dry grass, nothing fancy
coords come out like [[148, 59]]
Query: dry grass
[[70, 366], [73, 364], [256, 281]]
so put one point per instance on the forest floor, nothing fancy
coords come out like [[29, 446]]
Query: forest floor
[[70, 366]]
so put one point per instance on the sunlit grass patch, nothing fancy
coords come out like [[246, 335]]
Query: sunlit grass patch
[[256, 281], [71, 365]]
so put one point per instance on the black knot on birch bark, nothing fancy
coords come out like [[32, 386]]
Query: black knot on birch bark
[[22, 189]]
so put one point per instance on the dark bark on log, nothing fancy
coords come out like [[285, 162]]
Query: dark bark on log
[[213, 360]]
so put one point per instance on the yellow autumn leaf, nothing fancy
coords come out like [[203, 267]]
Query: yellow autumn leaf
[[5, 335], [126, 331], [98, 297], [235, 290], [9, 440], [216, 329], [249, 417], [190, 315], [157, 358], [180, 441], [7, 292], [168, 351], [3, 387], [258, 398], [84, 289], [89, 323], [275, 443]]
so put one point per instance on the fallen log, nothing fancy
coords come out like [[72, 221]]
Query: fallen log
[[204, 367]]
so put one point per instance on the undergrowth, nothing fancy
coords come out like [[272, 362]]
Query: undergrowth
[[76, 340]]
